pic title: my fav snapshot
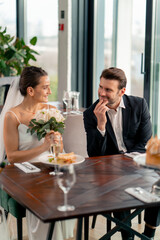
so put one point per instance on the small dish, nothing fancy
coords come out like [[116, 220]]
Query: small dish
[[46, 159]]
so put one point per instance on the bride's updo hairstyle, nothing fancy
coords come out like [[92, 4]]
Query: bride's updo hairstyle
[[30, 77]]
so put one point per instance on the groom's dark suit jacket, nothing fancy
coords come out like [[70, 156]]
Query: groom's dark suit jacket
[[136, 127]]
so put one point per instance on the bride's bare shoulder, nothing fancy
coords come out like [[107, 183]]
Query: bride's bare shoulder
[[16, 109], [13, 113]]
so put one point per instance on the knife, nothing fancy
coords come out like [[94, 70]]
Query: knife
[[28, 166]]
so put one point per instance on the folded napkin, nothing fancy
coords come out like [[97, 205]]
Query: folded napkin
[[27, 167], [142, 194], [134, 154]]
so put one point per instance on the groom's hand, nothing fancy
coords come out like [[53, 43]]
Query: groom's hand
[[100, 113]]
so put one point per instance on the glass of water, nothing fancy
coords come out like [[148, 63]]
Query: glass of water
[[65, 182], [67, 101]]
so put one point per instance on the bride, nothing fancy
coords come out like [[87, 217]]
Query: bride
[[24, 98]]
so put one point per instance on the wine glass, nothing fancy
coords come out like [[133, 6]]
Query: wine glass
[[65, 182], [55, 149], [66, 101]]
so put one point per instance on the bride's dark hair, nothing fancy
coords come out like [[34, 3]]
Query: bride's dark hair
[[30, 77]]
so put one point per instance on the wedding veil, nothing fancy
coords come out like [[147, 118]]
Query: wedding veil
[[14, 98]]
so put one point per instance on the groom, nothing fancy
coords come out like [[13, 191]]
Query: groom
[[117, 123]]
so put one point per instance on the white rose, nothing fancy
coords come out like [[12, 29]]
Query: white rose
[[46, 114]]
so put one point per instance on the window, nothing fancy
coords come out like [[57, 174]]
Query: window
[[42, 21], [155, 70], [8, 16], [120, 40]]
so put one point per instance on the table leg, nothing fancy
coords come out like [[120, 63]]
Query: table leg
[[50, 231], [79, 228], [86, 228], [122, 224]]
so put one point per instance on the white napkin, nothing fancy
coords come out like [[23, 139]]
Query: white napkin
[[142, 194], [27, 167], [134, 154]]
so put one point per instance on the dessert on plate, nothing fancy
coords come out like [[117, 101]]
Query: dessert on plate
[[64, 158], [153, 151]]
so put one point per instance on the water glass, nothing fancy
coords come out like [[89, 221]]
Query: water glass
[[65, 182], [75, 100], [67, 101]]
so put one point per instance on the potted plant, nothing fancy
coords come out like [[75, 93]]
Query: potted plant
[[14, 54]]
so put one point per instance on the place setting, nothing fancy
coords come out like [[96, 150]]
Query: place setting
[[58, 159], [27, 167]]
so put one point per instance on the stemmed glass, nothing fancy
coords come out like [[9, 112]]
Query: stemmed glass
[[65, 182], [55, 149], [66, 101]]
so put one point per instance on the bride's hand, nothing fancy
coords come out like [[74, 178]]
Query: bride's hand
[[49, 139], [52, 134]]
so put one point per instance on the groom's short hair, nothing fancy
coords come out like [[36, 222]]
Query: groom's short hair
[[114, 73]]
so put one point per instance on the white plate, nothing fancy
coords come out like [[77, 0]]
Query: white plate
[[45, 159], [141, 160]]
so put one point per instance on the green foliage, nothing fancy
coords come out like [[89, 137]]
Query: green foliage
[[41, 128], [54, 87], [14, 54]]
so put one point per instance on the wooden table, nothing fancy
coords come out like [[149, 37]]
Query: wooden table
[[99, 188]]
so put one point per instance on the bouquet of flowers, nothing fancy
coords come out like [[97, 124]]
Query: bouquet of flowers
[[46, 120]]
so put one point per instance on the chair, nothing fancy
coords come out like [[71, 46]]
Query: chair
[[5, 83], [7, 202], [74, 136], [3, 94], [14, 208], [74, 140]]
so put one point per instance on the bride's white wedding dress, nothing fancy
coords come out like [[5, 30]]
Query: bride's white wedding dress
[[37, 230]]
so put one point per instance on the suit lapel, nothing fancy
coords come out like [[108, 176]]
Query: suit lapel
[[126, 112], [109, 129]]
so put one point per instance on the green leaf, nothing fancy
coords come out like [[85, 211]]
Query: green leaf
[[33, 51], [32, 57], [32, 130], [61, 130], [2, 64], [31, 124], [28, 130], [39, 136], [45, 127], [9, 54], [15, 53], [40, 121], [33, 41], [47, 130]]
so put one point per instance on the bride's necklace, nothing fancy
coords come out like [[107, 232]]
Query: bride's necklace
[[28, 110]]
